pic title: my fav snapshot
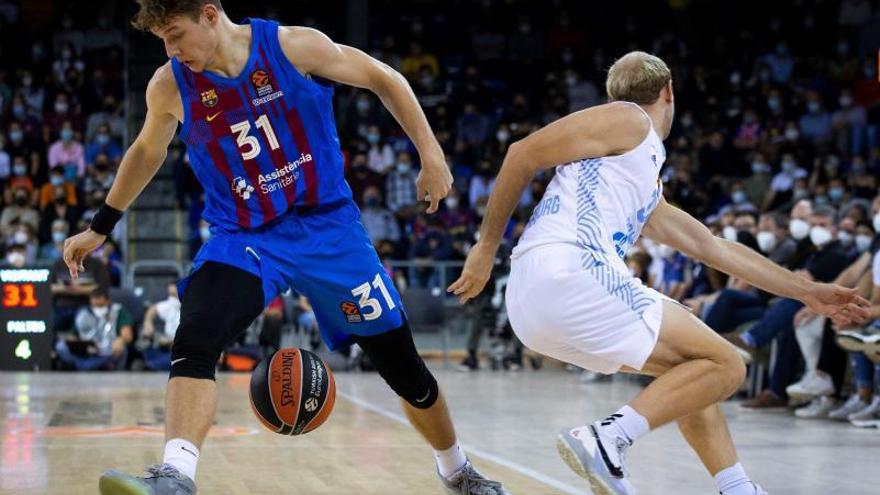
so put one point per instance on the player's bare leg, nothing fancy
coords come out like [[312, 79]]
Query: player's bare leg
[[695, 369], [434, 423]]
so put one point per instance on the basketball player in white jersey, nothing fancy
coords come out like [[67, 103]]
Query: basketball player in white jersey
[[570, 295]]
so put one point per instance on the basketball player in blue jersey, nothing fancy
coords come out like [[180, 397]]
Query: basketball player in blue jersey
[[571, 296], [255, 106]]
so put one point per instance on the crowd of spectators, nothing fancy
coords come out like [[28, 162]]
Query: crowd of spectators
[[776, 142]]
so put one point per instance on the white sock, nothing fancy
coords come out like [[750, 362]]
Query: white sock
[[627, 424], [734, 481], [182, 455], [450, 460]]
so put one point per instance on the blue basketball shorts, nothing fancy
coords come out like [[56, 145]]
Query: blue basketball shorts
[[325, 255]]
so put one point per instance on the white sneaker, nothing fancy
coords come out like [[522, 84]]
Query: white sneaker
[[867, 412], [853, 405], [818, 409], [811, 385]]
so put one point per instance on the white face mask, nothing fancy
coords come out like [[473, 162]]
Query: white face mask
[[877, 222], [766, 241], [20, 237], [820, 236], [15, 259], [799, 229], [845, 238], [863, 242], [665, 251], [101, 312], [729, 233]]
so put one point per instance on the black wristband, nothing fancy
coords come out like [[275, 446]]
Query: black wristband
[[105, 219]]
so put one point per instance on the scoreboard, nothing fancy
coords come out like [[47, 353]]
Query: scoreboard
[[25, 319]]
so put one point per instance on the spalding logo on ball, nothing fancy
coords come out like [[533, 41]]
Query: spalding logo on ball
[[292, 391]]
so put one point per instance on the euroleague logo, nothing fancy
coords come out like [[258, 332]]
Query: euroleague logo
[[311, 404], [262, 82], [352, 312], [242, 188]]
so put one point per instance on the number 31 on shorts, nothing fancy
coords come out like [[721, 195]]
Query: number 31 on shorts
[[370, 306]]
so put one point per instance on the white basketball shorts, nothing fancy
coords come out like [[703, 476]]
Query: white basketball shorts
[[597, 318]]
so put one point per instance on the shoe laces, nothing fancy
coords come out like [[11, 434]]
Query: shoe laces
[[476, 484], [162, 471]]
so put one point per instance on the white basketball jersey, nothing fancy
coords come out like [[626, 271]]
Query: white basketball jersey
[[599, 204]]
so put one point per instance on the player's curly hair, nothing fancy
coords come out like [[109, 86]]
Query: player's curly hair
[[637, 77], [157, 13]]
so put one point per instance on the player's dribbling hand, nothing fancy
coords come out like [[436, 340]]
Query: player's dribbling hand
[[434, 182], [843, 306], [76, 248], [475, 274]]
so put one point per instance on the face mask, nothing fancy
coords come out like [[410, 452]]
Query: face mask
[[18, 111], [362, 105], [800, 193], [56, 180], [813, 106], [729, 233], [58, 237], [791, 134], [845, 101], [27, 81], [481, 212], [371, 202], [60, 107], [863, 242], [502, 136], [372, 138], [788, 166], [452, 203], [665, 251], [773, 103], [835, 193], [687, 121], [877, 222], [20, 237], [15, 259], [19, 169], [820, 200], [759, 167], [101, 312], [403, 167], [738, 197], [799, 229], [16, 136], [820, 236], [66, 134], [858, 168], [205, 233], [102, 139], [21, 200], [766, 241], [427, 80], [845, 238]]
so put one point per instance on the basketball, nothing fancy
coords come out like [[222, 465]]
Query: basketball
[[292, 391]]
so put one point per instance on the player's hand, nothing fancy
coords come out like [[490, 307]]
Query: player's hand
[[76, 248], [475, 273], [434, 182], [844, 306]]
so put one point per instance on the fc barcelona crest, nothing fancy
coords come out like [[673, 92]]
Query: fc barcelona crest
[[209, 98]]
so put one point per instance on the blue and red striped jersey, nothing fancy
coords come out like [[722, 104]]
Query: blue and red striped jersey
[[263, 142]]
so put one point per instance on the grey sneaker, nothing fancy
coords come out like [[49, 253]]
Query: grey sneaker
[[161, 479], [469, 481], [597, 458]]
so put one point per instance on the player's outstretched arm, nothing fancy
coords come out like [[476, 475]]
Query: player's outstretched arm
[[139, 164], [312, 52], [673, 227], [604, 130]]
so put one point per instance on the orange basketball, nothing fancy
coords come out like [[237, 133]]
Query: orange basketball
[[292, 391]]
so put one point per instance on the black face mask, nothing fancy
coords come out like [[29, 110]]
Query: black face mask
[[60, 201], [21, 200]]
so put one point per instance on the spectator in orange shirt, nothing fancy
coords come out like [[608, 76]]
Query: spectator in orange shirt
[[56, 180]]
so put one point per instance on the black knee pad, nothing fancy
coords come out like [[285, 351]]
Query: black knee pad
[[197, 347], [219, 304], [395, 357]]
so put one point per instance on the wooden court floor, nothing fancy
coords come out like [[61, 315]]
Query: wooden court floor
[[59, 431]]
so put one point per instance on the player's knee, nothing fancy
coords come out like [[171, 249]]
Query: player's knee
[[411, 380], [732, 372], [197, 347]]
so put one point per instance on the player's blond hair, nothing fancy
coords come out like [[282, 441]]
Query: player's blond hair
[[158, 13], [637, 77]]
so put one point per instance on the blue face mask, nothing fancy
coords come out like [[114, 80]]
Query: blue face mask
[[66, 134], [16, 136], [739, 197], [835, 193], [102, 139], [56, 180], [372, 138], [18, 111]]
